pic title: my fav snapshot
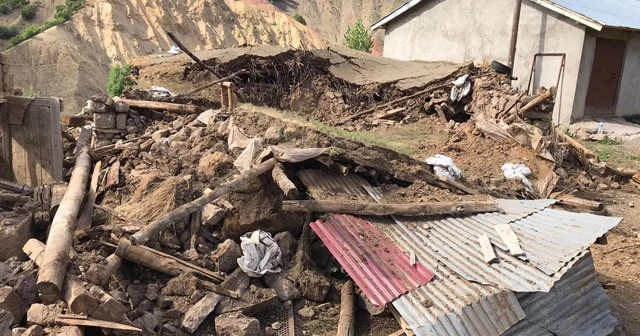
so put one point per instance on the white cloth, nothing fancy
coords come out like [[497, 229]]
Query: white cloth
[[160, 92], [443, 166], [174, 50], [461, 88], [260, 254], [519, 171]]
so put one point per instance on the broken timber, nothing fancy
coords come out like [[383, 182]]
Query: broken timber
[[510, 239], [382, 209], [84, 222], [161, 106], [208, 85], [56, 253], [288, 188], [487, 249], [161, 262], [80, 320], [75, 296], [198, 312], [16, 187], [577, 202], [346, 323]]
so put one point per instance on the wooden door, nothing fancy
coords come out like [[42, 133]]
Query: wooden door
[[605, 78]]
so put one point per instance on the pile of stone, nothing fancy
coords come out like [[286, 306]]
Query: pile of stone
[[113, 120]]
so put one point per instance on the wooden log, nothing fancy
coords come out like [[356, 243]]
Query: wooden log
[[80, 320], [385, 209], [194, 224], [624, 172], [586, 157], [487, 249], [161, 262], [161, 106], [57, 193], [16, 187], [161, 224], [288, 188], [56, 253], [84, 222], [198, 312], [510, 239], [219, 289], [74, 295], [346, 323], [100, 274], [577, 202], [441, 113], [14, 198]]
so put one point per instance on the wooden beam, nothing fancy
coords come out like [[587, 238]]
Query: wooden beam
[[346, 323], [161, 106], [56, 253], [487, 249], [81, 320], [391, 113], [382, 209], [16, 187], [510, 239], [288, 188], [577, 202], [206, 86]]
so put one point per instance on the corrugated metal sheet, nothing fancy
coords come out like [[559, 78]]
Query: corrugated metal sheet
[[452, 304], [596, 14], [377, 266], [577, 305]]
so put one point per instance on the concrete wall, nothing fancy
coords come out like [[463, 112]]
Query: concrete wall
[[628, 97], [470, 30]]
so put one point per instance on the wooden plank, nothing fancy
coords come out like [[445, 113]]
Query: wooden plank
[[510, 239], [43, 161], [84, 222], [57, 153], [113, 176], [7, 152], [487, 249], [390, 113], [80, 320]]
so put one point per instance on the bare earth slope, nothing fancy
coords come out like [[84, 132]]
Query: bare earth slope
[[332, 18], [72, 60]]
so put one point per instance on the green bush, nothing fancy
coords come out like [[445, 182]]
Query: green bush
[[357, 37], [119, 79], [29, 11], [7, 6], [299, 18], [8, 32], [62, 15]]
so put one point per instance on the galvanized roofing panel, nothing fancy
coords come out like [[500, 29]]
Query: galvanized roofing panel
[[377, 266], [577, 305], [596, 14]]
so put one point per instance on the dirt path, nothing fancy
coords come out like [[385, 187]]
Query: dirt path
[[617, 262]]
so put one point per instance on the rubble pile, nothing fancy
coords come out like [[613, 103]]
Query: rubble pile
[[179, 219]]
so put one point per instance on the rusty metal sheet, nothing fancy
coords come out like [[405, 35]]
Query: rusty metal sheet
[[377, 266]]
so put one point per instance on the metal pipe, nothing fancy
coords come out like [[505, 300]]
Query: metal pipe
[[514, 34]]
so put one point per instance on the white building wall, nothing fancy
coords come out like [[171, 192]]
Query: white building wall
[[470, 30]]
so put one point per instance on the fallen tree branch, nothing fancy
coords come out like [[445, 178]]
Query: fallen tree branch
[[56, 253], [161, 262], [382, 209], [161, 106], [346, 323]]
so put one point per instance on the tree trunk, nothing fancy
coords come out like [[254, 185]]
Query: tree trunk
[[347, 314], [377, 209], [56, 253], [76, 297]]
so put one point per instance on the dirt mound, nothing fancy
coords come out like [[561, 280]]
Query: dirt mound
[[72, 60]]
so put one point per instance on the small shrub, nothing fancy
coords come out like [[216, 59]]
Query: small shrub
[[609, 142], [62, 15], [299, 18], [634, 118], [8, 32], [29, 11], [119, 79], [357, 37]]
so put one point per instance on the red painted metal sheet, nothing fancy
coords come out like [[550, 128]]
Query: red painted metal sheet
[[377, 266]]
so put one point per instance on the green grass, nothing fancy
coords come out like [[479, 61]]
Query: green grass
[[395, 143], [609, 142]]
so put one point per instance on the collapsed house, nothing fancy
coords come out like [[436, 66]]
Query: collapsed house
[[187, 214]]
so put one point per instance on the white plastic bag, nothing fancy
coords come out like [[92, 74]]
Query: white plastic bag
[[443, 166], [461, 88], [260, 254], [519, 171], [160, 92], [174, 50]]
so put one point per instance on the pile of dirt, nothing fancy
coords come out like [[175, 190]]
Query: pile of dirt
[[72, 60]]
